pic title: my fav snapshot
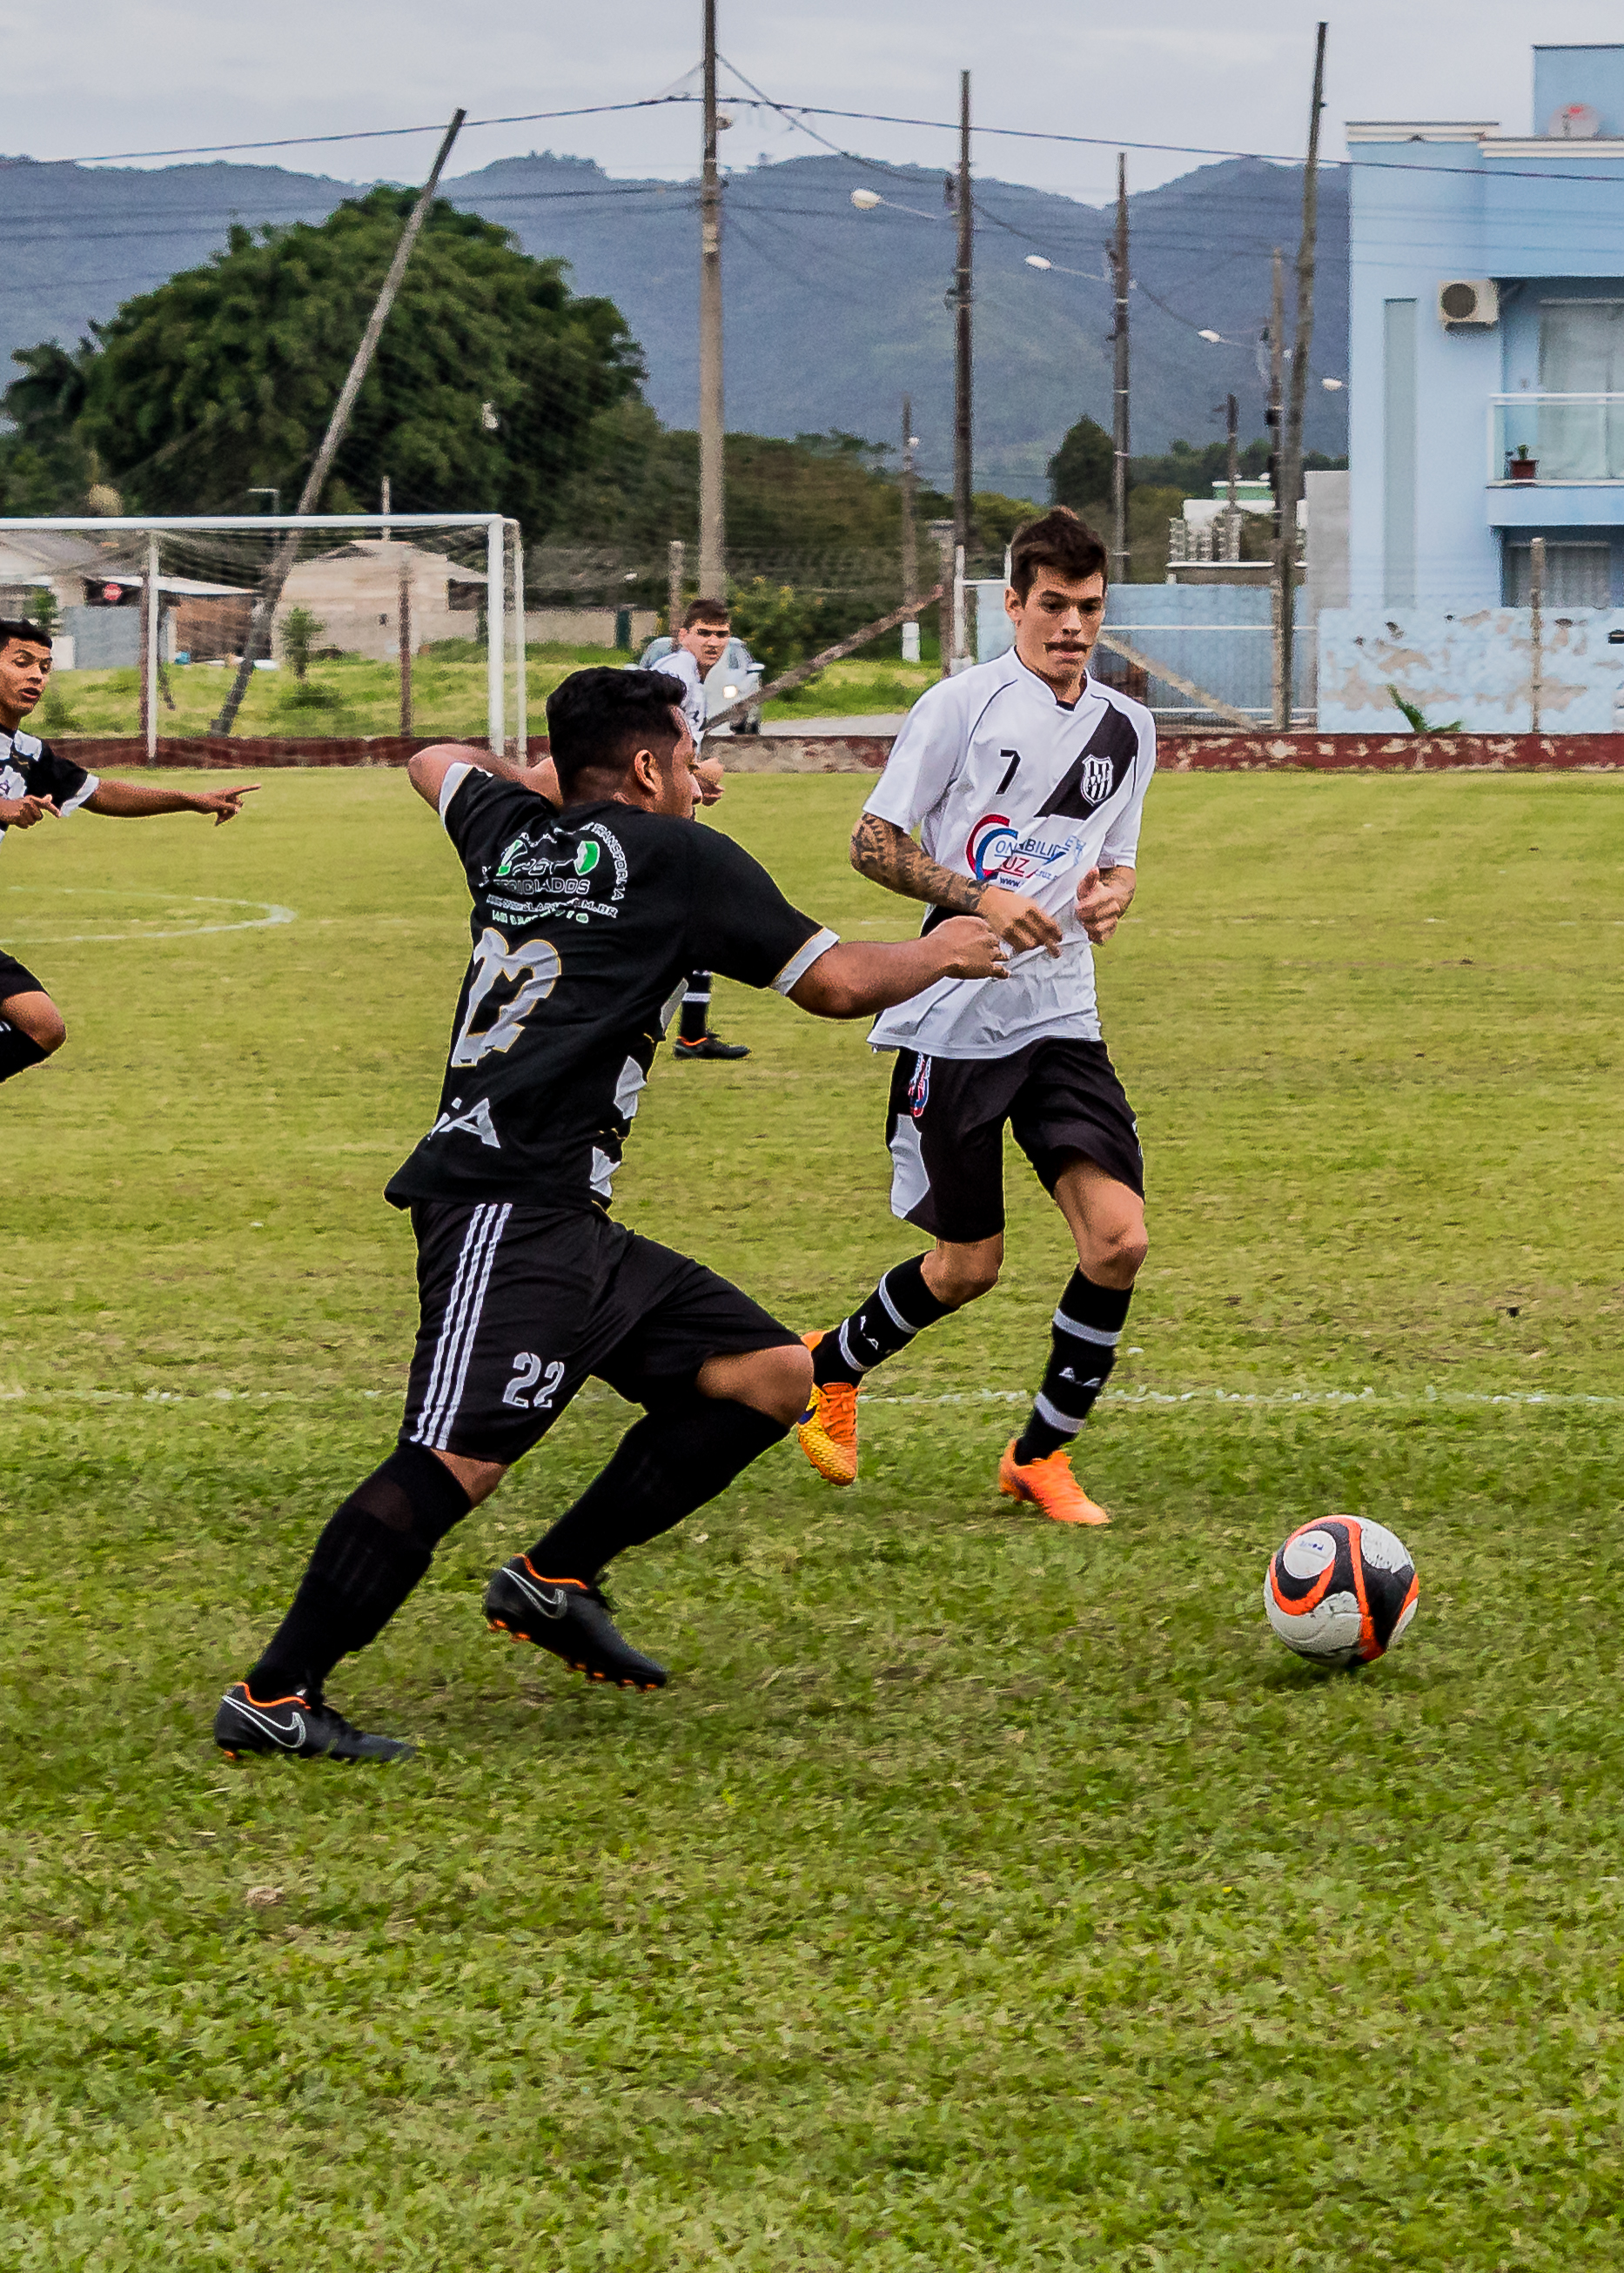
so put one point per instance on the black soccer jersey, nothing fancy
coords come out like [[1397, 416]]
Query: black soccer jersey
[[31, 768], [585, 926]]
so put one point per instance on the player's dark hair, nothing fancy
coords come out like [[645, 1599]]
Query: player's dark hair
[[705, 611], [23, 627], [1059, 541], [599, 719]]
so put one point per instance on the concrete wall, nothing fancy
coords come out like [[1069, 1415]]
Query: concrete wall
[[355, 594], [1474, 666], [587, 626], [109, 639]]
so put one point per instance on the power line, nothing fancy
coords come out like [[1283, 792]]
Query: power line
[[795, 113]]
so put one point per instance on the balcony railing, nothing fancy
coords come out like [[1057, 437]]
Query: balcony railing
[[1558, 438]]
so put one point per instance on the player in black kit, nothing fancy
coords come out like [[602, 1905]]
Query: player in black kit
[[35, 786], [586, 921]]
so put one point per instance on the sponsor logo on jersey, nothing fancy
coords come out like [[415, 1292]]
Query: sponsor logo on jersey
[[586, 856], [993, 836], [919, 1089]]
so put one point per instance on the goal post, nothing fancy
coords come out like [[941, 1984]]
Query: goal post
[[171, 568]]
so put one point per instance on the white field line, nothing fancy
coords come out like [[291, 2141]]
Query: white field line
[[269, 913], [1127, 1400]]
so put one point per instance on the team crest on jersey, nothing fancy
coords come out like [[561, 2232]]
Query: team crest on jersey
[[1098, 779], [919, 1089], [992, 836]]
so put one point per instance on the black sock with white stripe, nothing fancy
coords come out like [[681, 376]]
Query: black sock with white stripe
[[365, 1562], [696, 1008], [671, 1461], [1087, 1328], [900, 1307]]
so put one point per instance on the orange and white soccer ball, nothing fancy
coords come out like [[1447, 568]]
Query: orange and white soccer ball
[[1341, 1590]]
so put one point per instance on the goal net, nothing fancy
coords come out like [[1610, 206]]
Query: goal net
[[384, 626]]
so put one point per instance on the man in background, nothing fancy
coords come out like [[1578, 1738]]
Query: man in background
[[701, 642], [35, 786]]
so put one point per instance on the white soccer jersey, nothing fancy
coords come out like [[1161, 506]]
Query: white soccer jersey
[[1014, 788], [681, 664]]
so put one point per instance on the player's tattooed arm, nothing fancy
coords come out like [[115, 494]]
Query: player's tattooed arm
[[888, 855]]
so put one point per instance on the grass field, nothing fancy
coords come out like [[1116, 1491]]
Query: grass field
[[979, 1894], [350, 696]]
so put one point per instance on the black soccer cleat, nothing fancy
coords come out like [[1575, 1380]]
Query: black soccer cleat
[[570, 1619], [709, 1046], [303, 1726]]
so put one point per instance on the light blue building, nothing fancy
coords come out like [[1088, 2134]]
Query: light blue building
[[1487, 335]]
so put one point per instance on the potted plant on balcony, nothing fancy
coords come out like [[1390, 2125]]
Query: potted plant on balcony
[[1520, 466]]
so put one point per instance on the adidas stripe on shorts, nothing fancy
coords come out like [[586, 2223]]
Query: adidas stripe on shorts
[[519, 1305]]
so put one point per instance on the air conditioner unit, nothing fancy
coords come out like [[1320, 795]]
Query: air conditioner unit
[[1470, 304]]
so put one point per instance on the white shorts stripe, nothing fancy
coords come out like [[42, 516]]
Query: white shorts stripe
[[471, 1330], [1055, 1417], [451, 1322], [1087, 1333]]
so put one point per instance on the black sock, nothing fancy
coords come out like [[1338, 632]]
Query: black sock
[[18, 1052], [671, 1461], [695, 1007], [1083, 1349], [900, 1307], [365, 1562]]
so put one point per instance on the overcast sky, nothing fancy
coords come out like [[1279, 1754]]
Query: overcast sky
[[127, 75]]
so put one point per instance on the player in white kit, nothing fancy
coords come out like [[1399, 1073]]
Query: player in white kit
[[699, 645], [1026, 778]]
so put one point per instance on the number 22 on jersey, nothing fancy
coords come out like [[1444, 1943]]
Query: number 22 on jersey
[[536, 962]]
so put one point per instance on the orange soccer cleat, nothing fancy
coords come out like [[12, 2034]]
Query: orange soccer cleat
[[828, 1428], [1047, 1484]]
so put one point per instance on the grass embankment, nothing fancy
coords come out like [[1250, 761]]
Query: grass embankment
[[978, 1894], [349, 696]]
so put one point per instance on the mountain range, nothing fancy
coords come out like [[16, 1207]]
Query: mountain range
[[832, 313]]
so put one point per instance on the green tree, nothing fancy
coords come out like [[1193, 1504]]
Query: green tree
[[1079, 472], [487, 379], [300, 631], [45, 466]]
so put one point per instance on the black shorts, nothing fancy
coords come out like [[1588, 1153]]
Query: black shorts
[[945, 1130], [518, 1305], [17, 979]]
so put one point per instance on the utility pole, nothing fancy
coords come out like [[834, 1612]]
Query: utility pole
[[942, 532], [1302, 340], [712, 537], [1232, 519], [675, 554], [1280, 688], [403, 614], [910, 557], [259, 636], [962, 295], [1120, 435]]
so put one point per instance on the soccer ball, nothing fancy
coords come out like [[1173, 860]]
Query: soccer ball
[[1341, 1590]]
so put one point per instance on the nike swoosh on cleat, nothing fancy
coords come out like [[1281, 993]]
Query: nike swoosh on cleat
[[272, 1728], [552, 1601]]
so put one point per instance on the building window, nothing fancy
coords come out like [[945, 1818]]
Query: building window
[[1580, 352], [1576, 575]]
